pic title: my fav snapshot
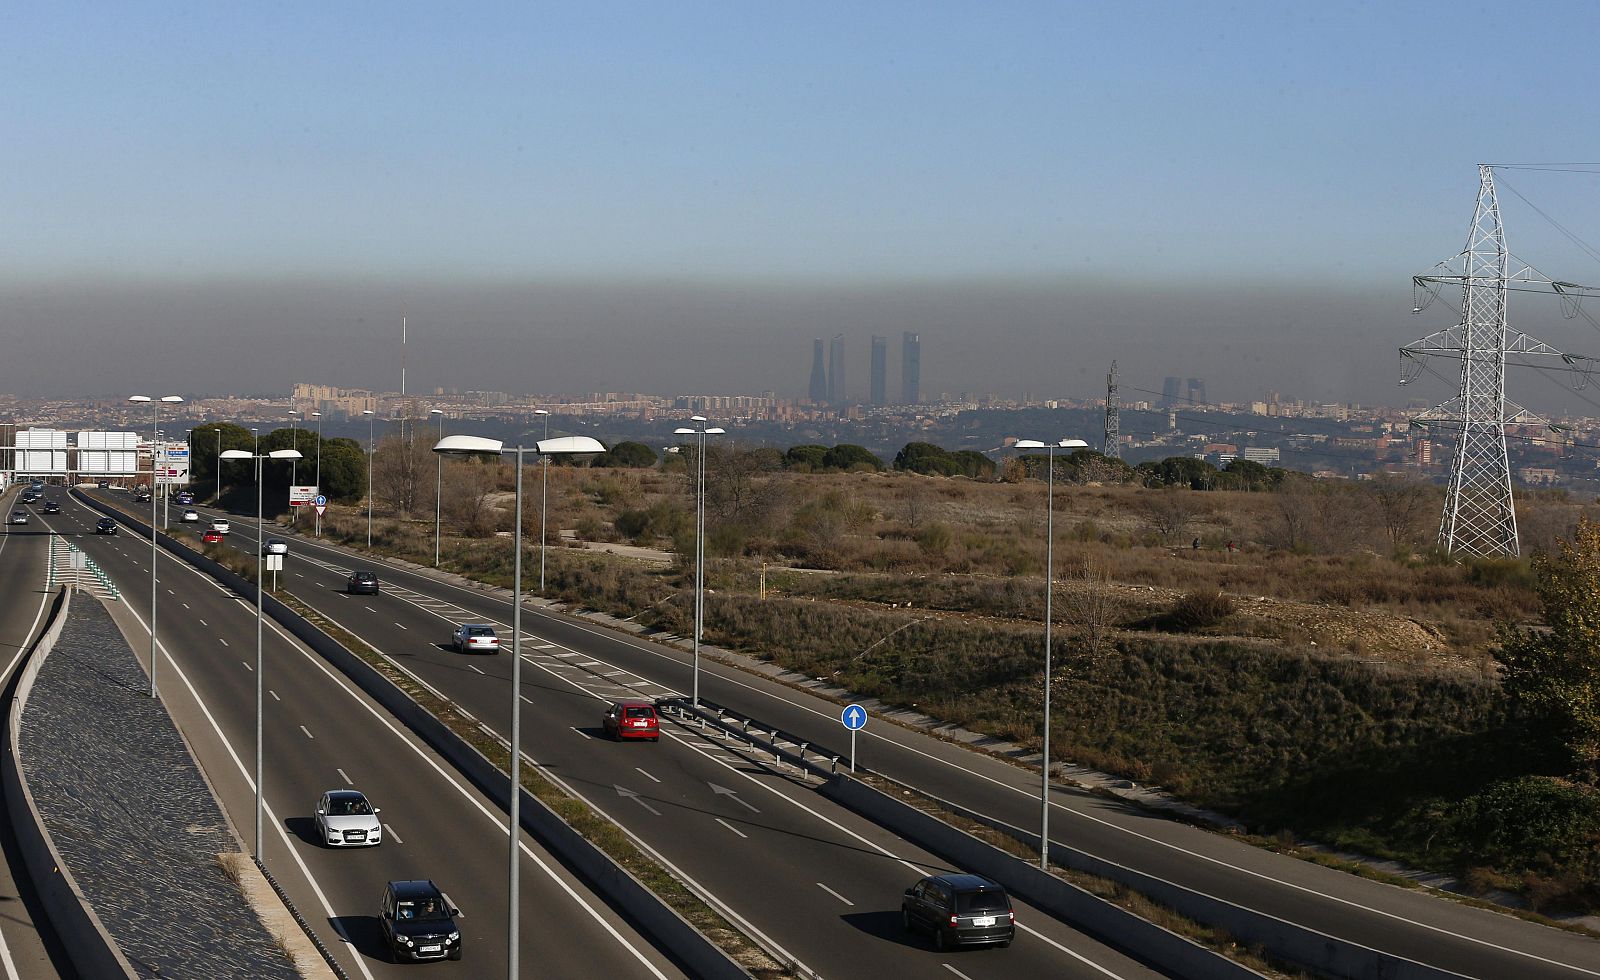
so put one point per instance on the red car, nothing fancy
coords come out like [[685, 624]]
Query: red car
[[632, 719], [212, 537]]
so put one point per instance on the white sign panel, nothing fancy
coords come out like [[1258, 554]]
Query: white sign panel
[[172, 465], [300, 496], [42, 452]]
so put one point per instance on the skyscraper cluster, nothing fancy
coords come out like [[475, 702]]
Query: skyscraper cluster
[[828, 374], [1173, 394]]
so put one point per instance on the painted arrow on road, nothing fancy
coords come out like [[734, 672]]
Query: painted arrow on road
[[629, 794], [730, 794]]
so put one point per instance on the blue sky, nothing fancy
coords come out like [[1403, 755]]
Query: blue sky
[[1171, 150]]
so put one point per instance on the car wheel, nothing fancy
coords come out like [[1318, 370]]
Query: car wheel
[[456, 953], [905, 920], [938, 940], [1004, 944]]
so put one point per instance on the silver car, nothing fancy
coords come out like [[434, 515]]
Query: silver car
[[346, 819], [275, 546], [475, 638]]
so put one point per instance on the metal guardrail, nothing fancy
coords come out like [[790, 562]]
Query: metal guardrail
[[305, 926]]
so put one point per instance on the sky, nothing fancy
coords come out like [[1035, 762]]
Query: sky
[[678, 197]]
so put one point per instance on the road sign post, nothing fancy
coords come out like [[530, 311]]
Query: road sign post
[[321, 504], [854, 717]]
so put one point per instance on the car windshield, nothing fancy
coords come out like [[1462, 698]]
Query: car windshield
[[349, 807], [988, 900], [424, 909], [479, 631]]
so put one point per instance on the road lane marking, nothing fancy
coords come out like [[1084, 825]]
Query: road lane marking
[[578, 730], [475, 667], [957, 972], [274, 694], [645, 774], [402, 627], [342, 776], [732, 828], [308, 732], [396, 837], [222, 641], [247, 665], [835, 894], [370, 609]]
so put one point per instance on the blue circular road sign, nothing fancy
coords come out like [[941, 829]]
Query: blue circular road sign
[[321, 501], [854, 717]]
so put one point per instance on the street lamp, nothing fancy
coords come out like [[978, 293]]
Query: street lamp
[[699, 540], [478, 446], [318, 417], [218, 464], [544, 497], [155, 423], [291, 455], [438, 497], [371, 452], [1049, 590]]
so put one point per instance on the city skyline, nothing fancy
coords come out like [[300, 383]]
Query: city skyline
[[1184, 195]]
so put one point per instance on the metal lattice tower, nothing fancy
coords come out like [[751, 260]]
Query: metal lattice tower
[[1480, 516], [1113, 444]]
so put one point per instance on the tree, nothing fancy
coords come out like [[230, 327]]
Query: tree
[[846, 457], [627, 455], [399, 471], [470, 486], [1401, 502], [1170, 511], [808, 458], [1551, 678], [203, 460]]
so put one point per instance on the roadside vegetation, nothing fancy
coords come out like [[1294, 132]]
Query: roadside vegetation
[[1292, 652]]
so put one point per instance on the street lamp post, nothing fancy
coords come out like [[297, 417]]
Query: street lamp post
[[1049, 590], [294, 468], [699, 540], [155, 423], [291, 455], [318, 523], [478, 446], [218, 465], [438, 496], [544, 497], [371, 453]]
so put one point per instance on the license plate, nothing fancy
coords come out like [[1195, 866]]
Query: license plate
[[430, 949], [983, 920]]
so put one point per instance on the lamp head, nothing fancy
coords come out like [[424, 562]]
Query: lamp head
[[463, 445], [286, 454], [236, 454], [138, 398], [540, 411], [171, 399]]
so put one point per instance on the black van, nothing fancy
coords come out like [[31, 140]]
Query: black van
[[419, 922], [960, 910]]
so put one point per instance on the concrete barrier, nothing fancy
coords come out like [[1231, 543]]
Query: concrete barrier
[[87, 943], [699, 955]]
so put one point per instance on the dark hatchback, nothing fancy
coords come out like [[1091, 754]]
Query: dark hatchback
[[960, 910], [362, 583], [419, 922], [51, 507], [105, 525]]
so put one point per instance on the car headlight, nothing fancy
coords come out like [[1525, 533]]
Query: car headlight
[[454, 936], [407, 940]]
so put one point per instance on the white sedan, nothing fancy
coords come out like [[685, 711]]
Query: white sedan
[[191, 516], [220, 526], [346, 819], [275, 546]]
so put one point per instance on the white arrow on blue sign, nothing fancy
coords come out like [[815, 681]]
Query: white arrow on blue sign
[[854, 717], [321, 501]]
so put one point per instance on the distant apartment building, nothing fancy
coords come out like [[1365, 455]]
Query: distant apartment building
[[910, 368], [325, 398], [1171, 392], [1257, 454], [880, 370], [1197, 391], [836, 389], [763, 405], [819, 374]]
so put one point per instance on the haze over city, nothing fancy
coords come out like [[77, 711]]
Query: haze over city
[[679, 199]]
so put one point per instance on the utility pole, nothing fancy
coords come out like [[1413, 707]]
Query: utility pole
[[1480, 516], [1113, 443]]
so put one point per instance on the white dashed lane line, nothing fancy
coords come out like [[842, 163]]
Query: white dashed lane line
[[733, 828], [393, 836], [308, 732], [342, 776], [222, 641], [247, 665], [835, 894], [474, 667], [578, 730], [274, 694], [646, 775]]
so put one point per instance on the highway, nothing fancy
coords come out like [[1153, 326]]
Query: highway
[[1406, 923], [812, 879], [320, 734], [24, 952]]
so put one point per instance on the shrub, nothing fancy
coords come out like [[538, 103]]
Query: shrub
[[1200, 609]]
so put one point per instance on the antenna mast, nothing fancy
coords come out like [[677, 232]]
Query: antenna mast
[[1480, 516], [1113, 443]]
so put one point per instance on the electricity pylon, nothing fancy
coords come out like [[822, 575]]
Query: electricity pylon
[[1480, 516], [1113, 443]]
